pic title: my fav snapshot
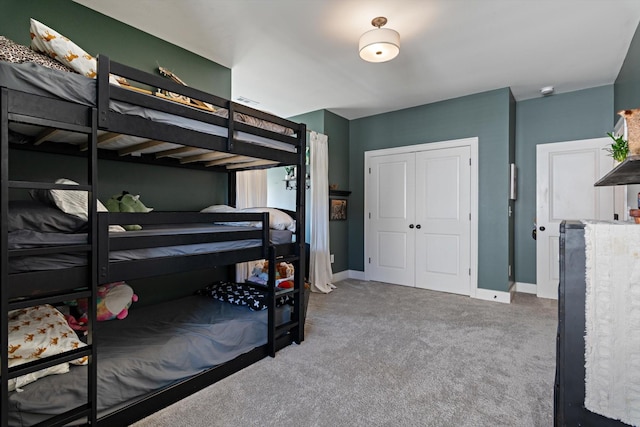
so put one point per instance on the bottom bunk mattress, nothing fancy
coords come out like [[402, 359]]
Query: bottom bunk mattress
[[154, 347]]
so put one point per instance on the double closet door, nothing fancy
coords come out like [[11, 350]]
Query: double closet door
[[418, 219]]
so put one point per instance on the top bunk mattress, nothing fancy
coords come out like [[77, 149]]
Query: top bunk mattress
[[36, 79]]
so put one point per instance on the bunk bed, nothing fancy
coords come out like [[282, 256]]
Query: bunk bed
[[146, 120]]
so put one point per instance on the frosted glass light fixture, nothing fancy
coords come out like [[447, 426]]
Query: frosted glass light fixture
[[381, 44]]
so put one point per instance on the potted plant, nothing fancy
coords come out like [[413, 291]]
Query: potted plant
[[619, 149]]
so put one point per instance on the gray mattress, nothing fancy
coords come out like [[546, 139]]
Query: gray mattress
[[153, 347], [24, 239], [39, 80]]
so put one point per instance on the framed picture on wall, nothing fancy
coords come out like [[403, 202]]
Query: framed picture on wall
[[337, 209]]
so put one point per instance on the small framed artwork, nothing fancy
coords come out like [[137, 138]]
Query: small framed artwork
[[337, 209]]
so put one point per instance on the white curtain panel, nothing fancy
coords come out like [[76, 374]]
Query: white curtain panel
[[320, 273], [251, 192]]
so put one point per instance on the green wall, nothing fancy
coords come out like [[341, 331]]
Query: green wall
[[570, 116], [337, 129], [161, 188], [627, 85], [99, 34], [486, 116]]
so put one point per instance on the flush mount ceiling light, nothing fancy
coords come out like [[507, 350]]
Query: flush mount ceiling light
[[381, 44]]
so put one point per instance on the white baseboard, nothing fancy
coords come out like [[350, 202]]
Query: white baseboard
[[348, 274], [355, 274], [490, 295], [526, 288], [341, 275], [484, 294]]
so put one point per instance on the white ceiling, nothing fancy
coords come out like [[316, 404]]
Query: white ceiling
[[296, 56]]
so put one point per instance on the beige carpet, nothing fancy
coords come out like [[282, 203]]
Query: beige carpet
[[384, 355]]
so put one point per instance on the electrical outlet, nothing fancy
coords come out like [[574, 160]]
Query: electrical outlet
[[331, 258]]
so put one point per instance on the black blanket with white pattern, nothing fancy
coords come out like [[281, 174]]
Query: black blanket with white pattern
[[243, 294]]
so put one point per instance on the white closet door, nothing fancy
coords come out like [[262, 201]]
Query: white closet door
[[443, 225], [390, 201]]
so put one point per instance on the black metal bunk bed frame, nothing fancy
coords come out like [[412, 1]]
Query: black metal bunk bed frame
[[22, 290]]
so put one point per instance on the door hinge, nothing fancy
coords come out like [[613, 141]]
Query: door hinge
[[369, 215], [469, 272], [369, 171], [369, 260], [469, 161], [469, 216]]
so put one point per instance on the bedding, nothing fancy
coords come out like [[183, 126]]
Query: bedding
[[35, 333], [11, 51], [155, 346], [26, 239], [278, 220], [70, 202], [244, 295], [48, 41], [32, 78], [36, 216]]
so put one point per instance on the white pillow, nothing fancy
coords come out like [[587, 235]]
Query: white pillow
[[219, 208], [278, 220], [38, 332], [48, 41], [71, 202]]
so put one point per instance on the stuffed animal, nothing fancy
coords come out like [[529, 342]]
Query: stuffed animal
[[127, 202], [284, 270], [114, 300]]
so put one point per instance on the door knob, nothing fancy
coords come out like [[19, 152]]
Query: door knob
[[418, 226], [542, 228], [410, 225]]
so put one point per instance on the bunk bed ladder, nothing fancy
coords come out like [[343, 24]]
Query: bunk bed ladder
[[87, 412], [277, 332], [289, 330], [4, 262]]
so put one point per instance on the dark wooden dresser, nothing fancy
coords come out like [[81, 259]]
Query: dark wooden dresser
[[569, 390]]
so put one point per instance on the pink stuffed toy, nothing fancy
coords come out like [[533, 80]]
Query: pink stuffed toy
[[114, 300]]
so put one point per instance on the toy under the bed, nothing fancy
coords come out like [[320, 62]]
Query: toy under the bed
[[284, 274]]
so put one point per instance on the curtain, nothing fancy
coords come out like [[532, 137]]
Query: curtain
[[320, 274], [251, 192]]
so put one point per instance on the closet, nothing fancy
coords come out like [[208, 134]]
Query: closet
[[418, 216]]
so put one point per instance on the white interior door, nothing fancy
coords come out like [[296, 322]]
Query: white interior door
[[390, 200], [443, 225], [565, 174]]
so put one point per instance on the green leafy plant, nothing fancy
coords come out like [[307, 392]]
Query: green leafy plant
[[619, 149]]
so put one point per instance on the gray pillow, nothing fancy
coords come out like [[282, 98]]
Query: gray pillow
[[36, 216]]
